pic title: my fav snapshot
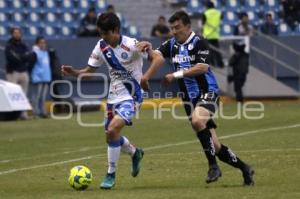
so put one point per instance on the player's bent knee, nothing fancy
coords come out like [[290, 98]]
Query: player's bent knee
[[198, 124]]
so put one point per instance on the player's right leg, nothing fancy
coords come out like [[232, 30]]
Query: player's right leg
[[113, 139], [200, 117]]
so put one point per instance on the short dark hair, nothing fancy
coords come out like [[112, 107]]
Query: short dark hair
[[108, 21], [38, 39], [12, 30], [92, 9], [243, 14], [110, 6], [210, 4], [180, 15]]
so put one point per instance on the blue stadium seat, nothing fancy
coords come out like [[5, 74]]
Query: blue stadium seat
[[3, 18], [101, 5], [3, 6], [17, 18], [3, 31], [252, 16], [33, 17], [34, 5], [33, 31], [230, 17], [67, 32], [194, 8], [84, 5], [133, 31], [17, 5], [50, 5], [50, 32], [233, 5], [284, 29], [252, 5], [297, 30], [227, 29], [51, 18]]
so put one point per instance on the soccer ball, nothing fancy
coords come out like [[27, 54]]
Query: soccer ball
[[80, 177]]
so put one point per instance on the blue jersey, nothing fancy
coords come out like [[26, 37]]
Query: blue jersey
[[184, 56]]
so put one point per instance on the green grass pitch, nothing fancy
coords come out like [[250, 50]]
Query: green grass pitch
[[36, 157]]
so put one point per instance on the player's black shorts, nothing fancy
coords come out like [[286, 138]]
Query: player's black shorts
[[209, 101]]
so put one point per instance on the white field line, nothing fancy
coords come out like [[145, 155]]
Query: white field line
[[149, 148], [54, 154]]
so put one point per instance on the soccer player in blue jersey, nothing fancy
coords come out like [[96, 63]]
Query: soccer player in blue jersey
[[124, 61], [200, 92]]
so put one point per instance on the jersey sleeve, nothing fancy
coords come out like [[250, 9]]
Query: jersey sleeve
[[202, 52], [165, 49], [95, 59], [136, 51]]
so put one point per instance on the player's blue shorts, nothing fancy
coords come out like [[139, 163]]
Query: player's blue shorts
[[125, 109]]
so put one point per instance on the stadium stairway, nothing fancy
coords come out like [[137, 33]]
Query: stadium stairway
[[143, 13], [258, 85]]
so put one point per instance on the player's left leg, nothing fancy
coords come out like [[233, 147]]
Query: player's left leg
[[226, 155]]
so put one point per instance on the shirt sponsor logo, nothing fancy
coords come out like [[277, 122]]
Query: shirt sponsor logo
[[203, 52], [183, 59]]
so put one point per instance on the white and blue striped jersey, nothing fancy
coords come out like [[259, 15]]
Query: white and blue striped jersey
[[125, 64]]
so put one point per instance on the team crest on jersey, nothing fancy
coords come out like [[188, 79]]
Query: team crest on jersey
[[124, 55], [190, 46]]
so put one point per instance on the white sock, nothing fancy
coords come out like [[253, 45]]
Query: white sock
[[113, 154], [126, 147]]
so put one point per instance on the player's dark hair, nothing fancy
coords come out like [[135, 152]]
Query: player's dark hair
[[38, 39], [12, 30], [108, 22], [180, 15]]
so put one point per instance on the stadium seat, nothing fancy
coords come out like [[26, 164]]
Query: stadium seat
[[252, 17], [34, 4], [194, 8], [17, 5], [233, 5], [230, 17], [3, 5], [34, 17], [3, 18], [101, 5], [297, 30], [133, 31], [252, 5], [51, 18], [33, 31], [83, 5], [17, 18], [50, 5], [50, 32], [284, 29], [227, 30], [3, 31]]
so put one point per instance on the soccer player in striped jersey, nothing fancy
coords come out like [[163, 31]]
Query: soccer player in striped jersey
[[200, 92], [124, 61]]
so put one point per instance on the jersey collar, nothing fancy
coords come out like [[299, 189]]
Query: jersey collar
[[189, 38]]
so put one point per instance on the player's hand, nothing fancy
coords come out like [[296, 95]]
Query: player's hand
[[166, 81], [143, 46], [67, 70], [145, 84]]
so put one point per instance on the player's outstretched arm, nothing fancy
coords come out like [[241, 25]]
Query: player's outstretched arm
[[157, 61], [70, 71]]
